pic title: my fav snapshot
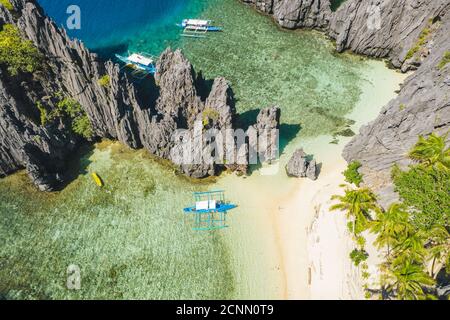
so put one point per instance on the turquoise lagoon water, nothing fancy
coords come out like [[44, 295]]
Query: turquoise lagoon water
[[131, 239], [111, 26]]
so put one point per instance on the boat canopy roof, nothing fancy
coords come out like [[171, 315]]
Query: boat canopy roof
[[197, 22], [140, 59]]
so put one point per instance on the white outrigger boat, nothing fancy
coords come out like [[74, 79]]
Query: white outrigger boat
[[197, 28], [142, 64]]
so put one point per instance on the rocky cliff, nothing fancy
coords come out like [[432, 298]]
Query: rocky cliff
[[69, 69], [293, 14], [422, 107], [377, 28], [115, 110], [412, 35]]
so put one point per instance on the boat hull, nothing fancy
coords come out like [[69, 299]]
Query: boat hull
[[149, 69], [207, 29]]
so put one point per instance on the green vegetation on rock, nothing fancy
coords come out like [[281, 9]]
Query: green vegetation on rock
[[104, 81], [70, 110], [208, 115], [352, 174], [427, 192], [413, 234], [17, 54], [423, 38], [445, 60], [432, 151], [7, 4], [80, 121], [425, 187], [44, 116]]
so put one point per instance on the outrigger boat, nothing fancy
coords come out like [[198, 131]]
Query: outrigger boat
[[142, 64], [210, 210], [197, 28]]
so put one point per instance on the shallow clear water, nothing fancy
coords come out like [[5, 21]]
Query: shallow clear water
[[266, 65], [131, 239]]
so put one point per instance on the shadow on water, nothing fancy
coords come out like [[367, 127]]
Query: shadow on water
[[247, 119], [78, 164], [288, 132], [147, 92], [109, 52], [203, 86]]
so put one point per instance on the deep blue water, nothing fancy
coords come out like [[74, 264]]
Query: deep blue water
[[112, 26]]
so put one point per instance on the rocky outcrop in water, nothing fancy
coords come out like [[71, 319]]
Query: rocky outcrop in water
[[267, 129], [413, 35], [300, 166], [115, 110]]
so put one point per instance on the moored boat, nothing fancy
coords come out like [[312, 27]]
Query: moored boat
[[197, 28], [210, 210], [140, 62]]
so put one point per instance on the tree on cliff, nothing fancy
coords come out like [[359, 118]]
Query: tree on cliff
[[17, 54], [432, 151]]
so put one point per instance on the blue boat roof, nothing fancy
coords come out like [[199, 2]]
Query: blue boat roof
[[221, 208]]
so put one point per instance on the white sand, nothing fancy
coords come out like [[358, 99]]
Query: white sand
[[316, 241], [285, 244]]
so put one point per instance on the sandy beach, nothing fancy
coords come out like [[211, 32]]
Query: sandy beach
[[315, 241], [299, 249]]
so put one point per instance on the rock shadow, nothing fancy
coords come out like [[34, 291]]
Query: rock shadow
[[78, 164]]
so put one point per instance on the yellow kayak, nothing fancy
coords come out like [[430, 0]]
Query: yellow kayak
[[97, 179]]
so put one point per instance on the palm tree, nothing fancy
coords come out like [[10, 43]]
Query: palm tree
[[357, 203], [439, 248], [390, 225], [432, 152], [408, 281], [410, 247]]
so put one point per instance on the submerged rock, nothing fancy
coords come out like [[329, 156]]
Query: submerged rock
[[300, 167]]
